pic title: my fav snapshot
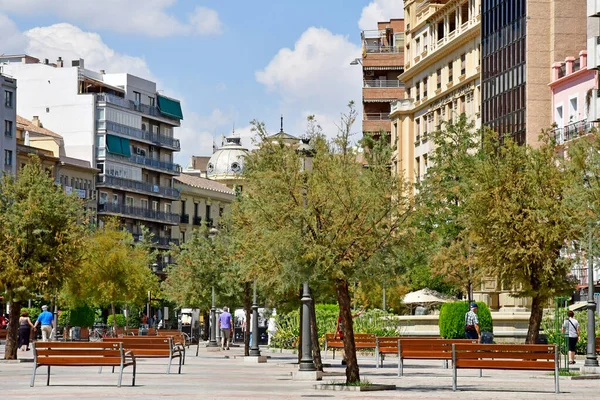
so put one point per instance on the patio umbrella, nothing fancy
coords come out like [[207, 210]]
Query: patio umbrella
[[425, 296]]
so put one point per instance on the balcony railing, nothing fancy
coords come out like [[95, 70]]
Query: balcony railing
[[138, 212], [131, 105], [573, 131], [455, 33], [383, 49], [109, 180], [147, 162], [138, 134], [157, 240], [377, 116], [381, 83]]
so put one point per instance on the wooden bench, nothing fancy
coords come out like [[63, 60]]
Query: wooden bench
[[362, 341], [179, 337], [151, 347], [3, 333], [78, 354], [597, 344], [537, 357], [418, 349]]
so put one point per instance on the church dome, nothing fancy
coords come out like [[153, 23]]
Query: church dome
[[228, 161]]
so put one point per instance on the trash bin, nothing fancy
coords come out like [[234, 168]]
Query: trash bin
[[542, 339], [487, 338], [76, 333]]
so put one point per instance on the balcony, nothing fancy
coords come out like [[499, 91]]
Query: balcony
[[131, 105], [197, 221], [383, 49], [138, 134], [381, 83], [376, 122], [384, 89], [138, 213], [456, 33], [573, 131], [593, 52], [185, 219], [162, 166], [136, 186], [156, 240]]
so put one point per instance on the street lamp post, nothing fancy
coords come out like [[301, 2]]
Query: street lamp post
[[213, 323], [254, 350], [306, 153], [590, 359]]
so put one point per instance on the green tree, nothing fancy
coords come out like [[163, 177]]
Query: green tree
[[41, 235], [114, 270], [322, 225], [520, 219]]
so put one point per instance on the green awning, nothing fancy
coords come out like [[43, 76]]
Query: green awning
[[170, 108], [113, 143], [117, 145]]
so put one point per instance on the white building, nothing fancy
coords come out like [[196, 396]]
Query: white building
[[8, 121], [117, 122]]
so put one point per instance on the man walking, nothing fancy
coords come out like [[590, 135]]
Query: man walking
[[226, 326], [46, 320], [472, 323]]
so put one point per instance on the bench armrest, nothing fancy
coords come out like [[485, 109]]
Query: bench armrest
[[129, 353]]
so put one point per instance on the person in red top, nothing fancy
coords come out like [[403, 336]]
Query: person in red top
[[339, 331]]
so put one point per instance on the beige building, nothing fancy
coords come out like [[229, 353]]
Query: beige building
[[74, 175], [202, 201], [441, 77]]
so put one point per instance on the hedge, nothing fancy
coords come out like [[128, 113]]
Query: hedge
[[120, 320], [81, 316], [452, 319]]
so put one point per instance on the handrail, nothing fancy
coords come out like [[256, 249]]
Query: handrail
[[138, 212], [377, 116], [138, 134], [132, 105], [382, 83], [383, 49], [136, 185], [134, 158]]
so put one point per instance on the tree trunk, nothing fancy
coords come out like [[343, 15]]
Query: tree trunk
[[535, 319], [112, 310], [206, 332], [247, 307], [12, 336], [343, 297], [314, 332]]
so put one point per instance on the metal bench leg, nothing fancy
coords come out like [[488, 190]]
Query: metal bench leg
[[100, 370], [453, 369], [325, 351], [169, 367], [183, 361], [48, 380], [113, 369], [120, 377], [480, 373], [400, 367], [133, 379], [180, 363], [33, 375], [556, 362], [445, 364], [198, 348]]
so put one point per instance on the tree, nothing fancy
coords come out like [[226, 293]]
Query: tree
[[114, 270], [42, 232], [323, 225], [520, 218]]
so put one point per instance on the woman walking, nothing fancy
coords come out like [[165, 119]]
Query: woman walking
[[571, 327], [25, 326]]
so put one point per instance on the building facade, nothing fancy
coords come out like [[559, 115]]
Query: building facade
[[8, 121], [441, 77], [227, 163], [121, 125], [202, 201], [382, 62], [520, 40]]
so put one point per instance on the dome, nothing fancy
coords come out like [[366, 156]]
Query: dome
[[228, 161]]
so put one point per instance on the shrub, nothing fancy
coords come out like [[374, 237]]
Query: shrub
[[82, 317], [557, 337], [34, 312], [452, 319], [120, 320]]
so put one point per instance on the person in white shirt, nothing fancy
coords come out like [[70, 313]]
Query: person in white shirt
[[571, 326]]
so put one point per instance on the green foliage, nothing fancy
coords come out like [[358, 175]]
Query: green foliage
[[121, 321], [81, 316], [558, 338], [133, 317], [452, 319], [33, 313]]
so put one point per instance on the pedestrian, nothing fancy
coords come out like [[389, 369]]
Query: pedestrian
[[25, 326], [46, 321], [571, 326], [154, 320], [272, 327], [472, 323], [226, 326], [144, 318]]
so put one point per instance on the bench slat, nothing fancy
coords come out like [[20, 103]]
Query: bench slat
[[504, 364]]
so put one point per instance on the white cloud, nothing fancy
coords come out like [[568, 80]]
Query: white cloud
[[13, 40], [144, 17], [315, 77], [380, 10]]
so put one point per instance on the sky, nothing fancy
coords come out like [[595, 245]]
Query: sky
[[229, 62]]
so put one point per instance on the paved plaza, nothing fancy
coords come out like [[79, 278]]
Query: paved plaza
[[225, 375]]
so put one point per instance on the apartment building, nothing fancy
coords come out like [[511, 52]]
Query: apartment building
[[441, 76], [117, 122], [521, 39], [202, 201], [8, 121], [382, 61], [74, 175]]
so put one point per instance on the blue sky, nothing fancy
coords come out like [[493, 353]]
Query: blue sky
[[228, 61]]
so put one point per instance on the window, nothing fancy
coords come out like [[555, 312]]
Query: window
[[573, 116], [137, 97], [103, 198], [463, 103], [8, 154], [196, 210], [115, 199], [8, 99], [463, 64], [208, 211], [418, 169], [424, 87], [168, 208], [450, 72], [144, 204], [8, 128], [155, 206], [418, 90], [439, 78], [129, 201], [417, 46], [182, 207], [425, 42], [151, 101]]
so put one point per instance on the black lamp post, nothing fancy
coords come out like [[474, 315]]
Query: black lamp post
[[306, 153], [212, 342], [254, 350], [591, 359]]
